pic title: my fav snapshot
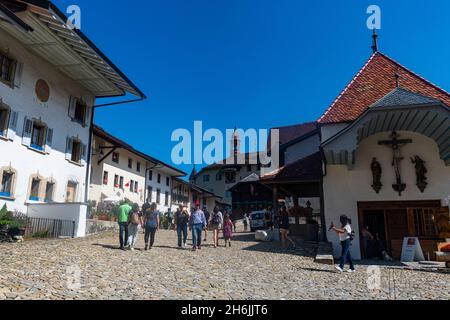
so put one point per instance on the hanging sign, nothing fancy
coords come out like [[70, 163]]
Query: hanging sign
[[412, 250]]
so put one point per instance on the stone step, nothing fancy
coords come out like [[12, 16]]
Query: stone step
[[324, 253], [324, 259]]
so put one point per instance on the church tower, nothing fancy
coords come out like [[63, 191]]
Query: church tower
[[235, 144]]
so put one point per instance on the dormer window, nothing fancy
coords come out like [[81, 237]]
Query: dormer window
[[78, 111]]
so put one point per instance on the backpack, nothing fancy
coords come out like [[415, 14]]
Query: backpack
[[352, 235], [134, 219], [216, 219]]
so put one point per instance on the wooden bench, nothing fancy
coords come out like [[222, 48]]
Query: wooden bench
[[442, 256]]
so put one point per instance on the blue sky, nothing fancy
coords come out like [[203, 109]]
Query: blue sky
[[250, 63]]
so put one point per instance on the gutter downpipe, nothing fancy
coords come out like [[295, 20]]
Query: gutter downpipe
[[91, 136]]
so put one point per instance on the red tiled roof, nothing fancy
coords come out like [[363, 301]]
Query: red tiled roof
[[289, 133], [306, 169], [375, 80]]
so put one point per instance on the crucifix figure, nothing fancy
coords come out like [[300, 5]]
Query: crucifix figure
[[395, 143]]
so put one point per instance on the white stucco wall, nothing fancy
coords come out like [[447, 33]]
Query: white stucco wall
[[66, 211], [54, 113], [163, 187], [344, 188], [98, 189], [302, 149], [220, 187]]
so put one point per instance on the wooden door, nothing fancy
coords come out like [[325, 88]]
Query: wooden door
[[397, 229]]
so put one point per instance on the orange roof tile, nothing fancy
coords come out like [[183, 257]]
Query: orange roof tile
[[375, 80]]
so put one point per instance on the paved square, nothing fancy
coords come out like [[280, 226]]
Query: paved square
[[50, 269]]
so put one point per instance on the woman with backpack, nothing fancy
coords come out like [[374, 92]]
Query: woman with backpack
[[134, 224], [151, 223], [346, 236], [216, 225]]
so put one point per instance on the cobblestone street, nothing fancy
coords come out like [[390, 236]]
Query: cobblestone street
[[49, 269]]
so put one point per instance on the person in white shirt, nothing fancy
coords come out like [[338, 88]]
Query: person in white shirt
[[345, 236]]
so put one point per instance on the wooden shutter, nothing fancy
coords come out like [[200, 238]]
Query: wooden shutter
[[72, 107], [17, 80], [49, 140], [27, 131], [87, 117], [69, 145], [12, 126], [83, 154]]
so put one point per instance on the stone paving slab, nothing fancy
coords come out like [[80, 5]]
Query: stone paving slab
[[93, 268]]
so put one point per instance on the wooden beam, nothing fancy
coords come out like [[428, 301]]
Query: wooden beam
[[107, 155]]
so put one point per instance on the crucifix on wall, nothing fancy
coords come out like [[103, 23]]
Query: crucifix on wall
[[395, 144]]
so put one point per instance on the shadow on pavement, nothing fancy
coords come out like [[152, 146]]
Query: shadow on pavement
[[302, 248]]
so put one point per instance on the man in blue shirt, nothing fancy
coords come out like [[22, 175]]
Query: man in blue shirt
[[197, 223]]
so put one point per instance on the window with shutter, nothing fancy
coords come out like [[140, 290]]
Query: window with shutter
[[38, 136], [7, 69]]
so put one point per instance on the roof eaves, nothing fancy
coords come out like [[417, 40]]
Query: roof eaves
[[48, 5], [112, 139], [15, 18]]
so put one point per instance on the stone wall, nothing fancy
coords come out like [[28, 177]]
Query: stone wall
[[98, 226]]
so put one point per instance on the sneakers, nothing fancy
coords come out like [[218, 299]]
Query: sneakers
[[351, 271], [131, 248], [339, 269]]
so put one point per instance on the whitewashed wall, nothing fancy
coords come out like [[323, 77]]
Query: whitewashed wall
[[62, 211], [54, 113], [97, 188], [161, 186], [343, 189]]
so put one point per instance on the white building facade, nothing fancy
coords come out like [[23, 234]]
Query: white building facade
[[387, 164], [48, 90], [121, 172]]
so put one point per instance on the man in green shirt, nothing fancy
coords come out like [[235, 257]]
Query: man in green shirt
[[124, 212]]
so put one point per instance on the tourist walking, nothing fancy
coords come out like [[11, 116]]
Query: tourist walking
[[181, 225], [124, 212], [197, 223], [216, 225], [284, 227], [151, 223], [207, 215], [227, 230], [346, 235], [134, 224]]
